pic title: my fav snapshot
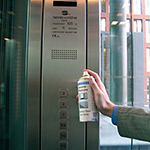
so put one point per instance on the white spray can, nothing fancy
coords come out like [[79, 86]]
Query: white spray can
[[87, 108]]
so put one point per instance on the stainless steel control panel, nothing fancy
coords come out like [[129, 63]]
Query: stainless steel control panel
[[64, 52], [63, 40]]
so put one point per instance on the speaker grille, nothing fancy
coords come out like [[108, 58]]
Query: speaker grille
[[63, 54]]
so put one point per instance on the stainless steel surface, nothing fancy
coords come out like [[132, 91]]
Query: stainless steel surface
[[63, 62], [34, 63], [93, 34], [93, 63]]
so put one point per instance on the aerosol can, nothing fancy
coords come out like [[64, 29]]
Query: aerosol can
[[87, 108]]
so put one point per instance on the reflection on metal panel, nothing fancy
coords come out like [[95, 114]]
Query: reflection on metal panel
[[33, 89], [12, 74]]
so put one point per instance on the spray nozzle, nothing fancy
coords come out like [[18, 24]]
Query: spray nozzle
[[85, 73]]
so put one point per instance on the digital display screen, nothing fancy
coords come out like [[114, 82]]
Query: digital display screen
[[64, 4]]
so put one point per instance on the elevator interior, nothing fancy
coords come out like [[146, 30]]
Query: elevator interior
[[45, 45], [59, 38]]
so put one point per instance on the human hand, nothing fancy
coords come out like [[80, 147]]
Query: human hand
[[102, 101]]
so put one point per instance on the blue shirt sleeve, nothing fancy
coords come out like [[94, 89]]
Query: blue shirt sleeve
[[114, 115]]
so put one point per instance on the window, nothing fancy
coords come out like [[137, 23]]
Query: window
[[137, 25], [103, 5], [128, 25], [147, 7], [103, 24], [148, 31], [128, 7], [137, 6], [122, 68], [148, 92], [148, 59]]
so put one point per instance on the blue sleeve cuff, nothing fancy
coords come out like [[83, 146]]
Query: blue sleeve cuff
[[114, 115]]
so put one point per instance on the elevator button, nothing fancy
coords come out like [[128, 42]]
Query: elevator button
[[63, 103], [63, 114], [63, 145], [63, 135], [63, 92], [63, 125]]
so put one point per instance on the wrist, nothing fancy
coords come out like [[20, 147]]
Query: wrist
[[108, 111], [111, 110]]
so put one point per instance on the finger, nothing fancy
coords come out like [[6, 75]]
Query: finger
[[97, 78], [92, 73], [94, 85], [77, 96]]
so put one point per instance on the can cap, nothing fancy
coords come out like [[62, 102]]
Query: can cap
[[85, 73]]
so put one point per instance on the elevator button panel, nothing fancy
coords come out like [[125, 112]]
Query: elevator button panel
[[63, 116]]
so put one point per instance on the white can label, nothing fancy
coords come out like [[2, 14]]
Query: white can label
[[87, 108]]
